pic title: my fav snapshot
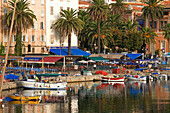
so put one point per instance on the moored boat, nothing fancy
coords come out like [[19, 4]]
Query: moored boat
[[113, 79], [32, 83], [136, 78], [24, 98]]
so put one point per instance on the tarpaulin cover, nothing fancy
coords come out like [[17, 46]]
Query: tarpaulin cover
[[133, 56], [12, 77]]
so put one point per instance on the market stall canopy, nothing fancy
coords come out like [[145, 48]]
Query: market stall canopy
[[98, 59], [82, 61], [64, 51], [133, 56]]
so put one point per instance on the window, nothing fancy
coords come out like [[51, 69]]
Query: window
[[24, 50], [163, 45], [61, 8], [51, 10], [5, 38], [42, 13], [41, 38], [33, 50], [32, 38], [42, 49], [5, 1], [165, 22], [154, 24], [13, 38], [5, 10], [42, 2], [42, 25], [23, 38], [33, 2], [162, 25]]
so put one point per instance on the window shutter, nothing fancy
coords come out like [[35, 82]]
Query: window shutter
[[35, 25], [35, 38], [13, 39], [26, 38], [45, 38], [22, 38], [40, 38], [42, 2]]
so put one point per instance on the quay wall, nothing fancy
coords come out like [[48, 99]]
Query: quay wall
[[80, 78], [9, 85]]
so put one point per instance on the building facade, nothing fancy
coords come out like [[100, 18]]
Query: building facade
[[34, 39], [53, 8]]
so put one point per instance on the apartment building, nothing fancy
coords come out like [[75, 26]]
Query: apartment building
[[53, 8], [34, 39]]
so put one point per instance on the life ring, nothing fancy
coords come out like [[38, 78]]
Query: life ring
[[32, 72]]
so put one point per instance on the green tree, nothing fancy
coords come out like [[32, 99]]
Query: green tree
[[68, 23], [118, 8], [2, 49], [153, 10], [83, 33], [24, 18], [166, 33], [98, 12]]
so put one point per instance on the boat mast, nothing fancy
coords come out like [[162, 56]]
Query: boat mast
[[9, 40]]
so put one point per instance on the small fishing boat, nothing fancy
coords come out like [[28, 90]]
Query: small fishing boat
[[112, 79], [24, 102], [136, 78], [31, 82], [18, 97]]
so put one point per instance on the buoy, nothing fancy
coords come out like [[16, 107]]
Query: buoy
[[66, 88]]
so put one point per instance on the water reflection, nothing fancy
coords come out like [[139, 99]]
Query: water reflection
[[99, 97]]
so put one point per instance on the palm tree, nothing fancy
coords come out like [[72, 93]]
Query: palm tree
[[83, 33], [148, 35], [105, 34], [68, 23], [166, 32], [153, 10], [24, 18], [118, 8], [98, 12]]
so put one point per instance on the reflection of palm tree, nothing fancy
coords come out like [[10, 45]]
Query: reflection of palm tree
[[98, 12], [166, 32], [23, 20], [68, 23]]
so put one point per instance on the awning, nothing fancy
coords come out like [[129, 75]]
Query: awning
[[47, 60], [133, 56], [98, 59], [75, 51]]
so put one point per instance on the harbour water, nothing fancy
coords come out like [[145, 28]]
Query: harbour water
[[96, 97]]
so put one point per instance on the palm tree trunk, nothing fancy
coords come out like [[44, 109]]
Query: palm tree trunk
[[83, 43], [69, 43], [98, 24], [168, 45]]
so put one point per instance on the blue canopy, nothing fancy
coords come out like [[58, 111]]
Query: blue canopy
[[12, 77], [133, 56], [75, 51]]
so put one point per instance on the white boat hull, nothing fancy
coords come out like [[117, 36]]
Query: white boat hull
[[137, 79], [41, 85]]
